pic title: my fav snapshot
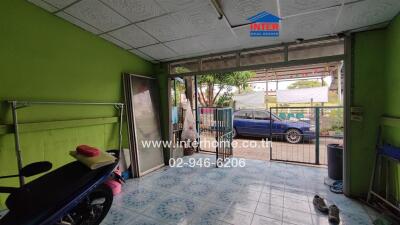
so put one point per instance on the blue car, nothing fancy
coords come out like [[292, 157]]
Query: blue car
[[256, 123]]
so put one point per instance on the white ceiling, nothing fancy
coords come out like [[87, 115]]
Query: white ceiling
[[163, 30]]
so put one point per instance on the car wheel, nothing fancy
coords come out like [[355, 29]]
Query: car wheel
[[293, 136], [234, 133]]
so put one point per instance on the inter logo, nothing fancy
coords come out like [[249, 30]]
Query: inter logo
[[264, 25]]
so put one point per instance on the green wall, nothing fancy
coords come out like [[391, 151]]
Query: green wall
[[392, 94], [46, 58], [376, 88], [367, 92]]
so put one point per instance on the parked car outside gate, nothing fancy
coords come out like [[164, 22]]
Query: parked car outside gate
[[256, 123]]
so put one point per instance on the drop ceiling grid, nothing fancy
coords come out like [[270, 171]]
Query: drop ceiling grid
[[366, 13], [173, 24], [307, 26], [296, 7], [158, 51], [238, 11], [97, 14], [137, 10], [78, 22], [44, 5], [60, 3]]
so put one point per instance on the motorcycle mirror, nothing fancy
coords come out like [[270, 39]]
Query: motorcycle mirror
[[35, 168]]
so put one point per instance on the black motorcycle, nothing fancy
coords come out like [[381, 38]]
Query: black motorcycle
[[72, 194]]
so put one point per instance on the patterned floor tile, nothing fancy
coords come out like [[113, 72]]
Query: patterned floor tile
[[269, 211], [261, 220], [138, 200], [210, 214], [238, 217], [297, 217], [144, 220], [118, 216], [275, 200], [174, 210], [299, 205], [261, 193]]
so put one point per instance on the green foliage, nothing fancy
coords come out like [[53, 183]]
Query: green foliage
[[306, 84], [222, 81], [181, 69], [337, 119], [180, 88], [225, 99]]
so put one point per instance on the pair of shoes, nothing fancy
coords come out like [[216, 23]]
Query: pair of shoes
[[332, 211]]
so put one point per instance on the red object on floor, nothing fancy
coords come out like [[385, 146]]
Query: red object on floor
[[115, 185], [87, 150]]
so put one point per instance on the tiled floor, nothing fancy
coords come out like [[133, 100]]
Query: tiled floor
[[263, 192]]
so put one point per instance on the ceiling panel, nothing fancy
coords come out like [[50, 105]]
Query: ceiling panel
[[43, 5], [365, 13], [294, 7], [191, 27], [97, 14], [245, 41], [158, 51], [78, 22], [141, 54], [237, 11], [164, 28], [313, 25], [174, 5], [60, 3], [219, 39], [192, 22], [133, 36], [200, 20], [186, 46], [115, 41], [135, 10]]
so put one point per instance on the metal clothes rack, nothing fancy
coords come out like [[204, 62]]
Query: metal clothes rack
[[15, 105]]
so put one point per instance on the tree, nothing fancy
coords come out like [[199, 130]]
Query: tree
[[210, 83], [306, 84]]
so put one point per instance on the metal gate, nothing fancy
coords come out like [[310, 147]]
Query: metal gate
[[301, 134], [215, 130]]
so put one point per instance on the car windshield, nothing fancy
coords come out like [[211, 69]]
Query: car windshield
[[275, 117]]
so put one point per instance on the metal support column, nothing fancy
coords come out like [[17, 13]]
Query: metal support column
[[196, 93], [121, 114], [317, 110], [270, 133], [175, 94], [339, 80]]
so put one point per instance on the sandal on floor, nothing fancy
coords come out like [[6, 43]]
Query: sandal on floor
[[334, 214], [319, 203], [337, 187]]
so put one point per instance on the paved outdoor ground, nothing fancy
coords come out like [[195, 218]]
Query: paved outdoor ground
[[256, 148]]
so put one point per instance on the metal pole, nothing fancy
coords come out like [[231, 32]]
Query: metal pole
[[270, 133], [175, 99], [266, 88], [121, 113], [216, 136], [62, 103], [317, 135], [339, 80], [16, 140], [197, 113]]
